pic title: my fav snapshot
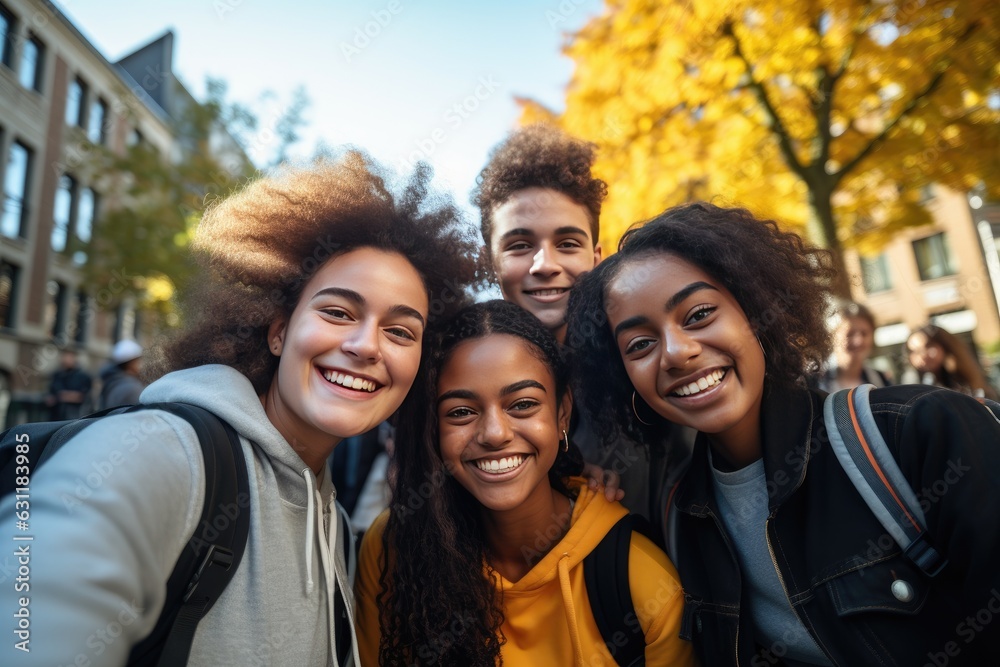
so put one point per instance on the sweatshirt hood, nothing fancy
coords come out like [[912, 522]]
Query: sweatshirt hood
[[228, 394], [593, 516]]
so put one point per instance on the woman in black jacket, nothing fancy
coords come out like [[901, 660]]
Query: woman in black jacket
[[710, 318]]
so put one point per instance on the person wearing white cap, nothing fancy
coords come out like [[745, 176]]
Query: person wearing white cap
[[120, 378]]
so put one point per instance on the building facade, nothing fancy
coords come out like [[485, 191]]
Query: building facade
[[946, 273], [61, 103]]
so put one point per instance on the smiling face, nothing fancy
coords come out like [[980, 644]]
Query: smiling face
[[853, 341], [349, 351], [690, 351], [499, 432], [541, 243]]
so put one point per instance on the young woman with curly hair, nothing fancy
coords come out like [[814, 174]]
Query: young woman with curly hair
[[488, 530], [711, 318], [306, 327]]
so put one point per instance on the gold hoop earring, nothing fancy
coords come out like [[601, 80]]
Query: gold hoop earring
[[762, 350], [636, 412], [565, 441]]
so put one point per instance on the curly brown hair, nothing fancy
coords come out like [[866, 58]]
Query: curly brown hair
[[782, 284], [258, 248], [540, 156]]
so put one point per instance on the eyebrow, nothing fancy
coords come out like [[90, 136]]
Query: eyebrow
[[672, 303], [509, 389], [357, 298], [560, 231]]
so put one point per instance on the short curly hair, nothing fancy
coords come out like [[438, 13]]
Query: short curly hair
[[782, 284], [540, 156], [258, 248]]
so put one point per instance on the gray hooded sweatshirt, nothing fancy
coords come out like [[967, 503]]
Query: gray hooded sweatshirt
[[111, 511]]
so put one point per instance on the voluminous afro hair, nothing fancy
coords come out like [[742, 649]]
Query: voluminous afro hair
[[782, 284], [540, 156], [441, 576], [258, 248]]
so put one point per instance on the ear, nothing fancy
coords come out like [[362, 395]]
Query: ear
[[598, 253], [276, 336], [565, 410]]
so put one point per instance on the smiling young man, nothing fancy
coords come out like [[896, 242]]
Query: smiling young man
[[540, 207]]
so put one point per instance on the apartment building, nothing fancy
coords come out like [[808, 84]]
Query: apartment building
[[947, 272], [61, 101]]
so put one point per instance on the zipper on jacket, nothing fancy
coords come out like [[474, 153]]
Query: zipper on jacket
[[732, 555], [784, 587]]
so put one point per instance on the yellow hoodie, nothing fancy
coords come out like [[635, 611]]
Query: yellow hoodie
[[547, 617]]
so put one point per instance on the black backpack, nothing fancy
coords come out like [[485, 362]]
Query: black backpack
[[605, 569], [209, 560]]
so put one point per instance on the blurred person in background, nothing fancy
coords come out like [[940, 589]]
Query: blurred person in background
[[69, 390], [120, 383], [942, 359], [853, 340]]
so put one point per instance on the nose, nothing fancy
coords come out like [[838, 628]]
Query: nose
[[678, 349], [544, 262], [494, 429], [364, 342]]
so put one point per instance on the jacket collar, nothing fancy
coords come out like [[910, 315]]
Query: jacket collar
[[787, 416]]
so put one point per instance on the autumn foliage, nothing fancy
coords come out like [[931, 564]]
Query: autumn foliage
[[832, 116]]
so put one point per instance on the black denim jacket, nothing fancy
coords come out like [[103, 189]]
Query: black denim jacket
[[836, 562]]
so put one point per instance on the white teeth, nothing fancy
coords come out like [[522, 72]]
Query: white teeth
[[502, 465], [701, 384], [349, 381]]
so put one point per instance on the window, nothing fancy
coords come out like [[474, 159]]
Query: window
[[124, 322], [934, 258], [82, 316], [6, 37], [134, 137], [86, 213], [8, 293], [875, 274], [65, 208], [55, 312], [15, 190], [95, 123], [31, 63], [76, 100]]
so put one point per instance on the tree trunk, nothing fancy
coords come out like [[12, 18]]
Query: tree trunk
[[820, 196]]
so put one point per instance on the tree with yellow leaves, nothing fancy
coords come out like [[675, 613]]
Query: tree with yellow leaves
[[831, 116]]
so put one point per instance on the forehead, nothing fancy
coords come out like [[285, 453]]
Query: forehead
[[662, 274], [380, 276], [509, 359], [540, 212]]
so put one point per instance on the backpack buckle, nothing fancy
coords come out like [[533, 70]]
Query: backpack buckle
[[215, 555], [925, 556]]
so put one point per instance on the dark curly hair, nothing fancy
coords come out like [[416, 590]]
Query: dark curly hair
[[258, 248], [434, 529], [782, 284], [540, 156]]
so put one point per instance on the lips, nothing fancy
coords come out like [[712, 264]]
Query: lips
[[350, 381], [703, 383]]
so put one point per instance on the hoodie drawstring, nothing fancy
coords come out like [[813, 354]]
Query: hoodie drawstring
[[315, 524], [567, 596], [310, 535]]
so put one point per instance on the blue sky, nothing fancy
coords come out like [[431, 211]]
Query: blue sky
[[403, 79]]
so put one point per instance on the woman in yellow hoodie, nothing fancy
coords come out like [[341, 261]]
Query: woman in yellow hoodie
[[487, 531]]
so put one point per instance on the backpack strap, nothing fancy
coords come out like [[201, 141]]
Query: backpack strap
[[605, 570], [869, 464], [341, 621], [211, 557]]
